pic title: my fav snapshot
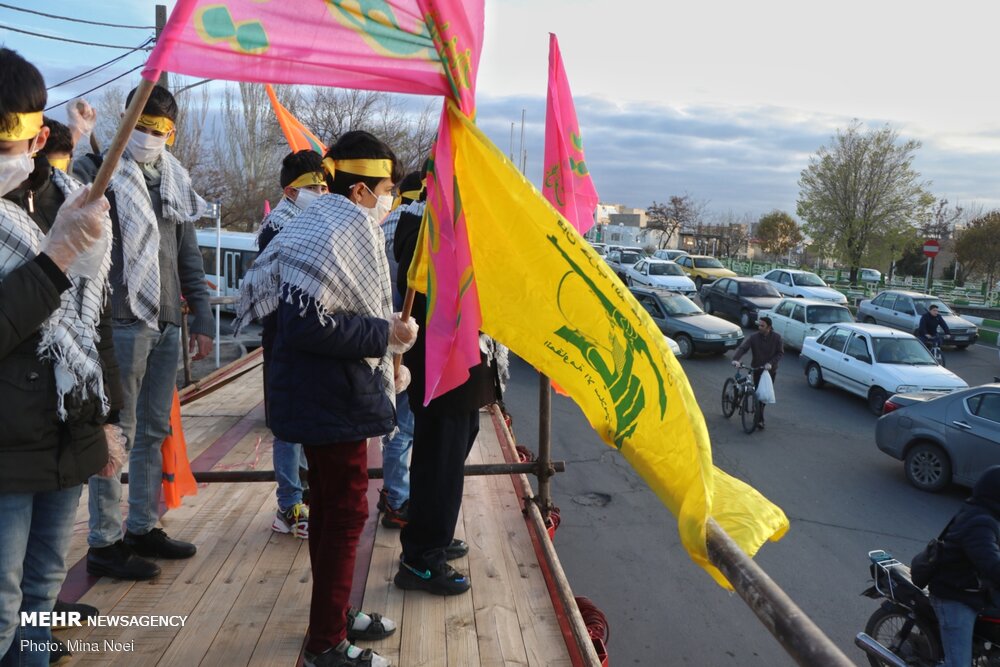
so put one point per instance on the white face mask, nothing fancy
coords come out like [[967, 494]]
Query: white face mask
[[305, 197], [145, 148], [14, 170], [382, 208]]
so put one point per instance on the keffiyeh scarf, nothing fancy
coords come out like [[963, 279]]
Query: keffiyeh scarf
[[69, 335], [330, 257], [276, 219], [140, 233]]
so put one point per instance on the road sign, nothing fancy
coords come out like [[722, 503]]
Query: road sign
[[931, 247]]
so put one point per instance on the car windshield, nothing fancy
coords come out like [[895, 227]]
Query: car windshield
[[828, 315], [923, 304], [630, 257], [665, 270], [758, 289], [707, 263], [904, 351], [678, 305], [807, 280]]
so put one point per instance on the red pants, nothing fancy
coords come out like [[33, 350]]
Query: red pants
[[338, 509]]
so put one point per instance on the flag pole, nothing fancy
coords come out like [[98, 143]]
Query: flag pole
[[117, 146], [405, 315]]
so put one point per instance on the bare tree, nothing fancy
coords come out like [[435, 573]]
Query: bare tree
[[734, 233], [680, 212]]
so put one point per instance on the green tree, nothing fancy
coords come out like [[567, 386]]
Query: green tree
[[777, 233], [978, 247], [860, 193]]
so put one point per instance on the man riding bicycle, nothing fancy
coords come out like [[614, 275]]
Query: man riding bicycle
[[929, 323], [766, 350]]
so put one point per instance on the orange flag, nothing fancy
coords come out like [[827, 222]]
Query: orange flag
[[178, 481], [298, 135]]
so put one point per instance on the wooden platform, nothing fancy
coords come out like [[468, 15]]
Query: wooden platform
[[246, 593]]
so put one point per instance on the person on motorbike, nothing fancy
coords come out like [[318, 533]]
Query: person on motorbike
[[969, 576], [929, 323]]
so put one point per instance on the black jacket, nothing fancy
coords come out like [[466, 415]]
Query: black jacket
[[929, 325], [482, 387], [320, 389]]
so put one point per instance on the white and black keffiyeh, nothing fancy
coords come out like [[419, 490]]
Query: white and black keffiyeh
[[69, 335], [332, 256], [392, 221], [140, 234], [276, 219]]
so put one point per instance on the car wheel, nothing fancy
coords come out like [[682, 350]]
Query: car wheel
[[928, 467], [868, 320], [684, 343], [745, 320], [876, 400], [698, 282], [814, 376], [708, 306]]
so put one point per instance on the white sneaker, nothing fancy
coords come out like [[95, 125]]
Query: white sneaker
[[294, 520]]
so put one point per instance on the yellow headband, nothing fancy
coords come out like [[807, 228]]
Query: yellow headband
[[28, 126], [307, 179], [372, 168], [413, 195], [160, 124], [60, 163]]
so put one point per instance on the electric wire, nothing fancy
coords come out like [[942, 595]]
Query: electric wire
[[99, 67], [67, 18], [65, 39], [97, 87]]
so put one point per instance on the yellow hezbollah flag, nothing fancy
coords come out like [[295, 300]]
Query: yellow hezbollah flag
[[590, 335]]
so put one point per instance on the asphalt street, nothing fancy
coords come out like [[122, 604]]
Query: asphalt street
[[817, 460]]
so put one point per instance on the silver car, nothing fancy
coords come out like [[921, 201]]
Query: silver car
[[942, 438], [902, 310]]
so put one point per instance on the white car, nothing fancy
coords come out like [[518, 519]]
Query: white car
[[869, 276], [874, 362], [798, 319], [660, 273], [803, 284], [674, 347]]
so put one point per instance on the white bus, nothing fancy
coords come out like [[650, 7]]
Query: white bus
[[237, 251]]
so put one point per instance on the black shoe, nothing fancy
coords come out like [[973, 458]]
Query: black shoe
[[58, 655], [396, 519], [378, 627], [441, 580], [85, 610], [457, 549], [156, 544], [118, 561]]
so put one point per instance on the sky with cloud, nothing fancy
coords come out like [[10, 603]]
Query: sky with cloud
[[725, 100]]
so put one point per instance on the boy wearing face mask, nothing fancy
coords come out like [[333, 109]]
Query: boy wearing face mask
[[60, 383], [330, 379], [303, 182], [155, 261]]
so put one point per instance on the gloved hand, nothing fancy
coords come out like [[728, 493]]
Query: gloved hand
[[767, 367], [402, 379], [116, 450], [736, 364], [402, 335], [82, 118], [77, 229]]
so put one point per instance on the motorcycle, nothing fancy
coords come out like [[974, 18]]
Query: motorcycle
[[903, 631]]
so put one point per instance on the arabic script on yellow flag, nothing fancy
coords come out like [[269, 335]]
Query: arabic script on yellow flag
[[551, 299]]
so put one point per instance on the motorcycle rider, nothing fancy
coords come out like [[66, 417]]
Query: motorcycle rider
[[969, 575]]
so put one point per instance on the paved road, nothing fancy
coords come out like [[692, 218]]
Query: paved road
[[817, 460]]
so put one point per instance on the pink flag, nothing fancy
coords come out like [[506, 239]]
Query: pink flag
[[566, 181]]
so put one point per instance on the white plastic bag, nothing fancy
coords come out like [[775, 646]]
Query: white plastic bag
[[765, 389]]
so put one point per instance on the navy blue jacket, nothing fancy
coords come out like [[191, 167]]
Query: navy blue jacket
[[321, 391], [929, 325]]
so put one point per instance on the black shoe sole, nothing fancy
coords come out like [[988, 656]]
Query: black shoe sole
[[411, 582], [101, 571], [368, 636]]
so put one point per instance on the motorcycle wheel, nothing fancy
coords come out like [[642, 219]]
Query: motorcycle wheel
[[920, 646]]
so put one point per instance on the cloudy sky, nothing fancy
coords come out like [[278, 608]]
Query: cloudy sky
[[724, 100]]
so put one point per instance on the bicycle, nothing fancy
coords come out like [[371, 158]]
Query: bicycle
[[739, 392], [934, 347]]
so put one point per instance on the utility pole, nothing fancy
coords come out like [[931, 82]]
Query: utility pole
[[161, 22]]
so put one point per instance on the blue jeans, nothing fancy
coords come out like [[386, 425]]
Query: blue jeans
[[147, 360], [396, 455], [35, 533], [956, 621], [288, 458]]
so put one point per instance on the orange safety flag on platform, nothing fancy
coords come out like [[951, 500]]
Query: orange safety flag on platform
[[178, 480]]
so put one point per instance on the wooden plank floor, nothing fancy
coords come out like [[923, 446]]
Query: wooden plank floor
[[246, 593]]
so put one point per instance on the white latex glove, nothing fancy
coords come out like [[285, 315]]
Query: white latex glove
[[78, 228], [82, 117], [402, 335], [736, 364], [116, 450], [402, 379], [767, 367]]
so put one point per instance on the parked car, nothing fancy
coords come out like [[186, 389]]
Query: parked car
[[703, 269], [674, 347], [741, 298], [660, 273], [803, 284], [874, 362], [669, 254], [798, 319], [691, 328], [902, 310], [621, 260], [600, 248], [943, 438], [869, 276]]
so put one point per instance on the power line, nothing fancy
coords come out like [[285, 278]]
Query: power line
[[67, 18], [66, 39], [87, 92], [99, 67]]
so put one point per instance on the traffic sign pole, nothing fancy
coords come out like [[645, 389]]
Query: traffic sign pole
[[931, 249]]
